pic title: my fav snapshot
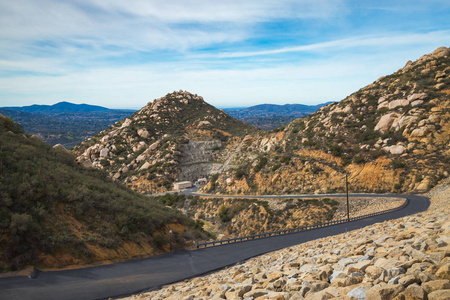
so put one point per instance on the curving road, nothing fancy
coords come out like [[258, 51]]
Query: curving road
[[122, 279]]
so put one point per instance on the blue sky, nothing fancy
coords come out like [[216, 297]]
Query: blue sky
[[122, 54]]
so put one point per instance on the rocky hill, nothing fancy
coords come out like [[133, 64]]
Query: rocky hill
[[176, 137], [55, 213], [408, 258], [390, 136]]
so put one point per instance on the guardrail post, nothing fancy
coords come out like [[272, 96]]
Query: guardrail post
[[346, 187]]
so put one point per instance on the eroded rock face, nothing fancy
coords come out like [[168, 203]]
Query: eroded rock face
[[199, 159]]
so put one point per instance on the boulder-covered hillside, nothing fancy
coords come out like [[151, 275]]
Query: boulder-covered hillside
[[392, 135], [178, 136]]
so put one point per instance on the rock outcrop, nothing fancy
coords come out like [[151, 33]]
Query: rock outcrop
[[176, 137]]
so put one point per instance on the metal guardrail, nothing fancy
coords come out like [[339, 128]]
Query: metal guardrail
[[302, 228]]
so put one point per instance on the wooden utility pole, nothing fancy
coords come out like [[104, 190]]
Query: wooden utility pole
[[346, 187]]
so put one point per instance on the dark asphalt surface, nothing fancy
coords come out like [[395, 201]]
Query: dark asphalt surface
[[122, 279]]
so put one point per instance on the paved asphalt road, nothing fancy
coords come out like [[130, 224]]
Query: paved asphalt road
[[125, 278]]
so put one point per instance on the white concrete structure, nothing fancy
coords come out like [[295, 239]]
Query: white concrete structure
[[177, 186]]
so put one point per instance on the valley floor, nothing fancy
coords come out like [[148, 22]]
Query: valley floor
[[407, 258]]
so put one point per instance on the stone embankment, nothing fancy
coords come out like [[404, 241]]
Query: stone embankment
[[407, 258], [365, 206]]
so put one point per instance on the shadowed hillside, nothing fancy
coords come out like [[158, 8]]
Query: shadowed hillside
[[54, 212]]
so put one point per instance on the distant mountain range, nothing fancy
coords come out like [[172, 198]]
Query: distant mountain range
[[275, 109], [69, 124], [271, 116], [61, 107], [64, 123]]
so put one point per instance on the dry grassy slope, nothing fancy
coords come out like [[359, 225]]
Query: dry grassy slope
[[392, 135], [249, 216], [145, 150]]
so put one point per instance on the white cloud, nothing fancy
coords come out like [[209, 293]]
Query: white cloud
[[390, 40], [145, 25], [310, 82], [125, 53]]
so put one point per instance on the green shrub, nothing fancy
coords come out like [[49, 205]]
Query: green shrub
[[275, 167], [398, 164], [261, 163], [357, 159], [160, 240], [239, 173], [225, 214], [105, 163], [286, 159], [336, 150], [418, 178]]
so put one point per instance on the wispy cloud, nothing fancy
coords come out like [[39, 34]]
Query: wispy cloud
[[353, 42], [111, 52], [146, 25]]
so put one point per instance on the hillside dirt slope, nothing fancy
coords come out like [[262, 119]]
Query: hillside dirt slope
[[236, 217], [407, 258], [390, 136]]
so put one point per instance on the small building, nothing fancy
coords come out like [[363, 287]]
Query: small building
[[178, 186], [202, 181]]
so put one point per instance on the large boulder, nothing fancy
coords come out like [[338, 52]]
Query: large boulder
[[204, 124], [385, 122], [436, 285], [104, 152], [384, 292], [422, 131], [441, 52], [395, 149], [126, 123], [444, 272], [439, 295], [418, 96], [145, 166], [61, 148], [154, 146], [142, 132], [399, 102]]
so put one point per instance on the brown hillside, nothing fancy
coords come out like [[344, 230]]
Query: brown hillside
[[392, 135]]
